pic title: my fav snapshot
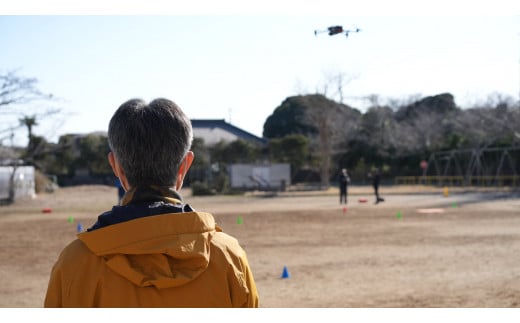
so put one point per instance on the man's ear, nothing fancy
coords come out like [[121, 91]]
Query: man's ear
[[113, 163], [183, 169]]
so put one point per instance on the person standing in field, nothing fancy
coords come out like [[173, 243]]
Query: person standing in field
[[376, 179], [344, 180], [152, 250]]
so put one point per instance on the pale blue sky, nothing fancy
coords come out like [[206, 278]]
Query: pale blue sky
[[240, 67]]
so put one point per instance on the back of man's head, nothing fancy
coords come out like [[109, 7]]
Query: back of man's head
[[150, 140]]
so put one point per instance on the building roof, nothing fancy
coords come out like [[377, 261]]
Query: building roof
[[199, 125], [211, 130]]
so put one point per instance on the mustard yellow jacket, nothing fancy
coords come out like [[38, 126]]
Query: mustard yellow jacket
[[167, 260]]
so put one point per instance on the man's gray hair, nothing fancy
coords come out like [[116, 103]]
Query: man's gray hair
[[150, 140]]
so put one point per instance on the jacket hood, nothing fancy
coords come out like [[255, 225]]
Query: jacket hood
[[164, 250]]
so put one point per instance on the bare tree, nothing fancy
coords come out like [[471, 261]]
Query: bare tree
[[380, 131], [499, 101], [21, 98], [16, 89], [332, 120], [334, 124], [425, 130], [16, 92], [482, 127], [337, 82]]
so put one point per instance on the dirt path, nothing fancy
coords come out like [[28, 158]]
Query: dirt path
[[385, 255]]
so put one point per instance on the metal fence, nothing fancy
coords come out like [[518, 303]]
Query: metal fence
[[509, 180]]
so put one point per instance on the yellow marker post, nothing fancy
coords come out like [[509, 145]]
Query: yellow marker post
[[445, 191]]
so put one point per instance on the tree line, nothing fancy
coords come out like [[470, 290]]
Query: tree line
[[316, 135], [393, 138]]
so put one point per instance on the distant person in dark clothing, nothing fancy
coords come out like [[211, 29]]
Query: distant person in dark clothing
[[376, 179], [344, 180]]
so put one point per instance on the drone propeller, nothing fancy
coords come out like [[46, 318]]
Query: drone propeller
[[352, 31]]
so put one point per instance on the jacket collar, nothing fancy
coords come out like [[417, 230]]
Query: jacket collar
[[151, 193]]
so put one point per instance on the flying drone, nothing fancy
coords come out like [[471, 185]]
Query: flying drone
[[334, 30]]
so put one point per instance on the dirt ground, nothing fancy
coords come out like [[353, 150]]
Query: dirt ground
[[364, 255]]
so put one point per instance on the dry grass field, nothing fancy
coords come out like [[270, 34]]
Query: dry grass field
[[385, 255]]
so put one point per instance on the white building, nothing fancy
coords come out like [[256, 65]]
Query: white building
[[260, 177], [24, 182]]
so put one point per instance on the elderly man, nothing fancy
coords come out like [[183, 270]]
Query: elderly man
[[152, 250]]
